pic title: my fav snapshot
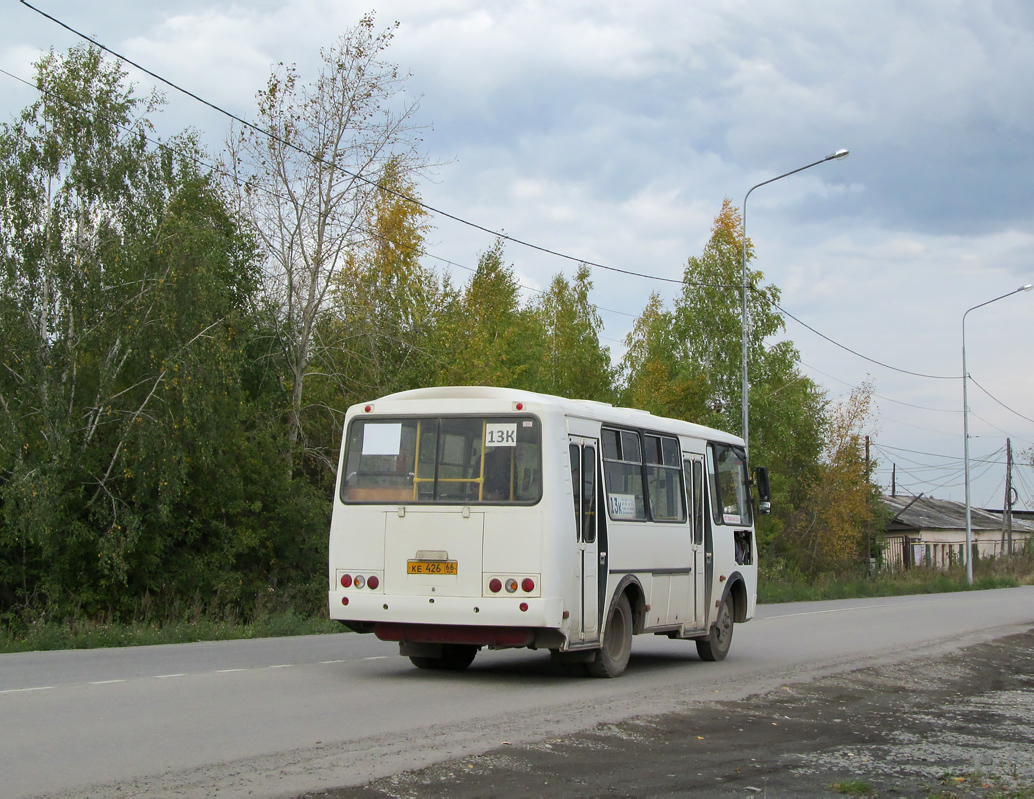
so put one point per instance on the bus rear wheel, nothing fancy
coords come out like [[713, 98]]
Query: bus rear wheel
[[454, 657], [612, 658], [719, 637]]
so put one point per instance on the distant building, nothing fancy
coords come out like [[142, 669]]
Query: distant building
[[923, 531]]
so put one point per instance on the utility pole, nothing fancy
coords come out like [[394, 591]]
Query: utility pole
[[868, 516], [1007, 502]]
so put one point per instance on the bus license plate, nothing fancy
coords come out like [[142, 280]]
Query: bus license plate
[[432, 567]]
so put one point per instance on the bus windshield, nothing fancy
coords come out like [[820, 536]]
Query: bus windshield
[[446, 460]]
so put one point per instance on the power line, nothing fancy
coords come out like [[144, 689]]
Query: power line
[[992, 396], [440, 212], [355, 175], [276, 196], [987, 459], [855, 352], [878, 396], [498, 234]]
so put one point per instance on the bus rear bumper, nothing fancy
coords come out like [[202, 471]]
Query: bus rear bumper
[[498, 637], [475, 612]]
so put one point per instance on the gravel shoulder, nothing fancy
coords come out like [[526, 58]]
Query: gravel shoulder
[[957, 724]]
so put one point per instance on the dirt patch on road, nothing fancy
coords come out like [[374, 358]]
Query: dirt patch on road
[[955, 725]]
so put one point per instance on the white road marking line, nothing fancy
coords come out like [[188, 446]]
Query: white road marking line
[[377, 657], [282, 666], [24, 690], [168, 676], [327, 662], [227, 671], [105, 682]]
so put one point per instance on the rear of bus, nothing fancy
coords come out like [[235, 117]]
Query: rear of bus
[[439, 538]]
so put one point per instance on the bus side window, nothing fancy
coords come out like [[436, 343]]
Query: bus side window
[[589, 494], [664, 479], [623, 473]]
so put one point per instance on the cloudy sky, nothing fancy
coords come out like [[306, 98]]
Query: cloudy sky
[[611, 131]]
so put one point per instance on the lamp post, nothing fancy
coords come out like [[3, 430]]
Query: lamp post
[[965, 428], [745, 427]]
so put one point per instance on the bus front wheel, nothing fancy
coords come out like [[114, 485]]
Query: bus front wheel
[[719, 637], [612, 658]]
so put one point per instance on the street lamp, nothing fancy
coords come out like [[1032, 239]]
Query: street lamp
[[745, 427], [965, 429]]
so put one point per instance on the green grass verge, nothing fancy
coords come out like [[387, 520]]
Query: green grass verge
[[780, 585], [93, 635], [775, 585], [853, 788]]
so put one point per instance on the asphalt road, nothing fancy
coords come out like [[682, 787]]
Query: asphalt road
[[279, 717]]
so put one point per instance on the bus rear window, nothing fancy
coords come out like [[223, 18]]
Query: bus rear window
[[446, 460]]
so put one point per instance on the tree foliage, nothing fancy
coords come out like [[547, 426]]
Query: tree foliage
[[573, 362], [130, 461], [487, 337], [686, 362], [172, 342], [840, 503]]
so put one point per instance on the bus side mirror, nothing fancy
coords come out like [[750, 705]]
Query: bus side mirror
[[764, 495]]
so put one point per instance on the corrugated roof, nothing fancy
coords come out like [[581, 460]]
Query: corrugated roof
[[927, 513]]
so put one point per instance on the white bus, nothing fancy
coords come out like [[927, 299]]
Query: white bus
[[472, 517]]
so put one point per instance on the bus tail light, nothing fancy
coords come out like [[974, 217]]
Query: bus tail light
[[346, 580], [344, 600], [373, 582], [528, 584], [360, 581]]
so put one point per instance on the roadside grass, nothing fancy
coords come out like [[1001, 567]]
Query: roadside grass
[[185, 625], [88, 634], [853, 788], [777, 584]]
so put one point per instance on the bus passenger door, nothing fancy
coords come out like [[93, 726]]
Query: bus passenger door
[[583, 479], [694, 469]]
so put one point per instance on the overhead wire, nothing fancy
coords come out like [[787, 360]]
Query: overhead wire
[[521, 242], [858, 354], [355, 175], [992, 396], [878, 396], [434, 210]]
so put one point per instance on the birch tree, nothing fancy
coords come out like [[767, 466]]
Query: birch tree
[[307, 179]]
